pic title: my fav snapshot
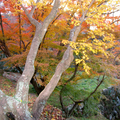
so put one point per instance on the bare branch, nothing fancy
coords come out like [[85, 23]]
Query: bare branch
[[61, 67], [61, 91], [33, 8], [27, 45], [83, 101], [1, 24], [82, 20], [44, 95], [112, 12], [96, 88], [97, 6], [51, 16], [85, 12], [115, 21], [102, 3], [23, 82], [32, 20]]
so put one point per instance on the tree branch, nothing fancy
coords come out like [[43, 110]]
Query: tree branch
[[51, 16], [32, 20], [23, 82], [112, 12], [115, 21], [61, 67], [41, 45], [95, 88], [1, 25], [60, 97], [33, 8], [85, 12], [82, 101]]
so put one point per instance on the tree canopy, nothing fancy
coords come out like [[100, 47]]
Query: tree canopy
[[48, 33]]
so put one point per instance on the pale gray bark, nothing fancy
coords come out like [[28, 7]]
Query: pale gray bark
[[23, 83], [18, 104], [61, 67]]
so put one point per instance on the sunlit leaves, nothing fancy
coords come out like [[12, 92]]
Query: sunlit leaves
[[98, 38], [95, 41]]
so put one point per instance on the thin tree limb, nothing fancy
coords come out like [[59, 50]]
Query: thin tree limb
[[82, 101], [32, 20], [115, 21], [61, 91], [33, 8]]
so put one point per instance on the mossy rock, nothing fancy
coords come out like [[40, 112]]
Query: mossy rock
[[110, 104]]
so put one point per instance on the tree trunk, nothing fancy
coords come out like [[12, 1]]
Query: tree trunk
[[18, 105], [37, 88]]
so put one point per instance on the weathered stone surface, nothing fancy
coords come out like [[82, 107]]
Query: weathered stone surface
[[12, 76], [110, 104]]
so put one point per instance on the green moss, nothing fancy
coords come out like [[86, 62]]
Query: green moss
[[80, 90]]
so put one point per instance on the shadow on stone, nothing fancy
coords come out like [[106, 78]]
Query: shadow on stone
[[110, 104]]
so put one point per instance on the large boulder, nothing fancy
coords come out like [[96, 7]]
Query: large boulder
[[12, 76], [110, 104]]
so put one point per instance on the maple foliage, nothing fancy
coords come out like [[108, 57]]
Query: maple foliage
[[13, 33], [97, 38], [88, 40], [19, 44], [92, 40]]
